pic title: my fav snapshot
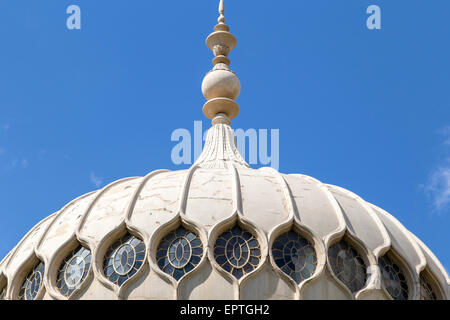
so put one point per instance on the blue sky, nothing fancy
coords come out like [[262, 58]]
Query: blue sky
[[365, 110]]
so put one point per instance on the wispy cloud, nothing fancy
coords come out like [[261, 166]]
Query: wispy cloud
[[446, 133], [6, 126], [437, 187], [96, 181]]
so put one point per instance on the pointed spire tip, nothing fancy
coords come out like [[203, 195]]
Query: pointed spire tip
[[221, 19], [221, 7]]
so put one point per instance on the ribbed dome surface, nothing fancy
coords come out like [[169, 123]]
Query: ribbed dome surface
[[209, 201]]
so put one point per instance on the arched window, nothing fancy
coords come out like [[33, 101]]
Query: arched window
[[237, 251], [3, 287], [73, 270], [32, 283], [295, 256], [426, 290], [179, 252], [394, 279], [347, 265], [123, 259]]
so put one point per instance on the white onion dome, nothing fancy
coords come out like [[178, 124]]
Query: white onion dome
[[255, 234]]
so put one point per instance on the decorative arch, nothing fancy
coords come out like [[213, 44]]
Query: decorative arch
[[397, 279], [349, 261], [3, 286], [58, 267], [429, 286], [179, 252], [32, 285]]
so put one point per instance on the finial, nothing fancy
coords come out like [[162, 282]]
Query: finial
[[221, 86], [221, 12]]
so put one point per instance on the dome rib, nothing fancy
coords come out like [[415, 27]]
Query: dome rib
[[355, 223], [95, 201], [399, 246], [336, 212], [134, 198], [33, 235], [237, 192], [435, 266], [291, 208], [184, 193], [25, 256], [60, 215], [49, 258]]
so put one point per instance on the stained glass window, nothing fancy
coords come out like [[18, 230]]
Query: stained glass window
[[74, 270], [347, 265], [237, 251], [123, 259], [179, 252], [393, 278], [295, 256], [426, 291], [32, 283]]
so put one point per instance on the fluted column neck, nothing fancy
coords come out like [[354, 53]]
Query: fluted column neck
[[220, 149]]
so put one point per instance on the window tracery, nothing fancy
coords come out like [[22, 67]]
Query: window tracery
[[237, 251], [393, 278], [32, 283], [123, 259], [179, 252], [73, 270], [347, 265], [295, 256], [426, 291]]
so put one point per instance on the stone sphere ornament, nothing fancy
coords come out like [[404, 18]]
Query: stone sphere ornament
[[221, 83]]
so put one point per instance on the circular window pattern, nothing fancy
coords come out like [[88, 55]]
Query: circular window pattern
[[32, 283], [347, 265], [179, 252], [73, 270], [295, 256], [426, 291], [123, 259], [393, 278], [237, 251]]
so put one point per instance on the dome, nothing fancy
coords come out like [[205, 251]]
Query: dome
[[208, 202], [253, 233]]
